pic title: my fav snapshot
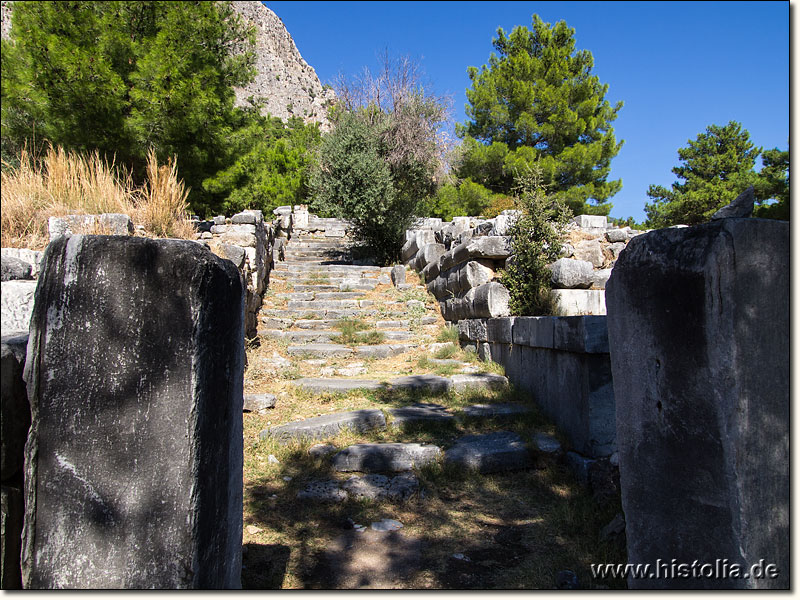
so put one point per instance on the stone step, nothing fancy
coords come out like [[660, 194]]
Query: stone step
[[495, 410], [320, 350], [281, 313], [317, 259], [322, 335], [490, 453], [420, 412], [308, 296], [327, 425], [328, 304], [371, 487], [426, 381], [316, 244], [301, 267], [320, 287], [382, 350], [387, 457]]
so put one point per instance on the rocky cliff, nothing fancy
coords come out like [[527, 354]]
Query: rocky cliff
[[285, 84]]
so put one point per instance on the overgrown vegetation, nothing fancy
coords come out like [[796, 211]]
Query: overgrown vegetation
[[353, 333], [59, 183], [536, 242], [382, 157]]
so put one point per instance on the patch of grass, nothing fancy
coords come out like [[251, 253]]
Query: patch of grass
[[449, 333], [446, 352]]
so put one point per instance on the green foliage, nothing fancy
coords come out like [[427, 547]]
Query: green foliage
[[269, 164], [362, 177], [121, 77], [773, 184], [537, 103], [351, 336], [629, 222], [467, 199], [536, 241], [448, 351], [717, 167], [448, 334]]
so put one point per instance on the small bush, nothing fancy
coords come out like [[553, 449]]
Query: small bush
[[536, 242]]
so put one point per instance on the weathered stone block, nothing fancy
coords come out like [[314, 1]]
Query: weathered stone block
[[587, 334], [398, 275], [482, 302], [392, 457], [567, 273], [579, 302], [591, 221], [618, 235], [16, 305], [699, 334], [533, 331], [499, 329], [133, 467], [591, 251], [14, 268], [16, 412], [490, 453], [32, 257]]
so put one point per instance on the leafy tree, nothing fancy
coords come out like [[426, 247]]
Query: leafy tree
[[121, 77], [536, 238], [773, 184], [382, 157], [537, 103], [270, 162], [467, 198], [717, 167]]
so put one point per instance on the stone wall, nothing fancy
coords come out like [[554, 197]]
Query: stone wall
[[563, 362], [453, 258]]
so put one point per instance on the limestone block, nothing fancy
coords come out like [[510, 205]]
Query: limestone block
[[398, 275], [499, 330], [32, 257], [490, 453], [238, 238], [580, 302], [111, 223], [494, 247], [391, 457], [698, 327], [536, 332], [133, 466], [618, 235], [15, 269], [419, 238], [567, 273], [16, 305], [600, 278], [590, 250], [482, 302], [590, 221], [428, 254], [248, 217], [16, 412]]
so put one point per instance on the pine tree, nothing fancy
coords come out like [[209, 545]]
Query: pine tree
[[537, 102], [121, 77], [717, 167], [773, 184]]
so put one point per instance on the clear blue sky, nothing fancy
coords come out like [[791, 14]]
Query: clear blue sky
[[678, 66]]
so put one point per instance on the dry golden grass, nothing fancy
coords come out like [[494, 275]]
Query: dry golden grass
[[60, 183]]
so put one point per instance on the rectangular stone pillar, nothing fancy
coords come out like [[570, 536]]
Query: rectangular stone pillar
[[133, 466], [698, 326]]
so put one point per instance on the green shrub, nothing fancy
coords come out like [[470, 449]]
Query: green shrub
[[536, 242], [448, 334]]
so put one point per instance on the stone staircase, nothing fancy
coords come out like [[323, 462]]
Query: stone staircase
[[314, 292], [365, 408]]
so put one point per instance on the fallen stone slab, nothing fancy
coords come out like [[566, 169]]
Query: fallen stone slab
[[422, 411], [490, 453], [487, 381], [546, 443], [326, 425], [337, 385], [568, 273], [386, 525], [368, 487], [397, 324], [32, 257], [320, 350], [391, 457], [495, 410], [259, 403]]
